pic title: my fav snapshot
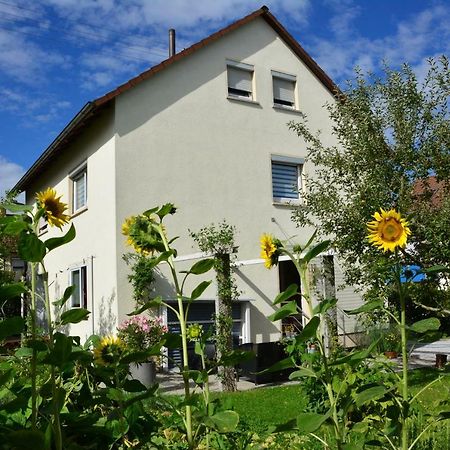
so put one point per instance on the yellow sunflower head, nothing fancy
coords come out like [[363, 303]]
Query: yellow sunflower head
[[53, 208], [270, 250], [388, 231], [144, 234], [109, 350]]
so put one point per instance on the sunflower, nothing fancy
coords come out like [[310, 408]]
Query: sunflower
[[109, 350], [269, 250], [53, 207], [388, 231], [143, 234]]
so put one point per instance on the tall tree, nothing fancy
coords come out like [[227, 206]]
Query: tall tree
[[392, 151]]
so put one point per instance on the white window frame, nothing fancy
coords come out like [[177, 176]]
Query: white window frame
[[83, 296], [288, 161], [289, 78], [80, 171], [244, 67]]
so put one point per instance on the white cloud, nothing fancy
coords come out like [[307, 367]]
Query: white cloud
[[10, 174], [414, 40]]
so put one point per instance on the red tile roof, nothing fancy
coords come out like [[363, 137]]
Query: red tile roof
[[94, 107]]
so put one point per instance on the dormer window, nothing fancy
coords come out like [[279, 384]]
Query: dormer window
[[284, 90], [240, 80]]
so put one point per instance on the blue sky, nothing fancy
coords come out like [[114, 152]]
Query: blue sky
[[58, 54]]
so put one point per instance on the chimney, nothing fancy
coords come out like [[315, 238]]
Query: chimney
[[171, 42]]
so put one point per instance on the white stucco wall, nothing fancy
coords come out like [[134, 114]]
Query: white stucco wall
[[180, 139], [94, 245]]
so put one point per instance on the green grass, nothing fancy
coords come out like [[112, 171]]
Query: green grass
[[263, 407]]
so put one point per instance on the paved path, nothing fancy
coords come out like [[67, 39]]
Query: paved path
[[422, 355]]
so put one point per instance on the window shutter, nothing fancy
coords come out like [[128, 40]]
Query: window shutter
[[239, 79], [283, 91], [284, 181]]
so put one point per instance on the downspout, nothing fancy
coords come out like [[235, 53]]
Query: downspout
[[91, 279]]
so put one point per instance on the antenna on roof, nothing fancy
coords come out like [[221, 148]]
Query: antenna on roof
[[171, 42]]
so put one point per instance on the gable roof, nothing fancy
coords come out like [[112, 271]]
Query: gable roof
[[93, 108]]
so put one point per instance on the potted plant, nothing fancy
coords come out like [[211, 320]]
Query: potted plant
[[390, 342], [140, 333]]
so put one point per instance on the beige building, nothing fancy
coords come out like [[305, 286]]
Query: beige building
[[207, 130]]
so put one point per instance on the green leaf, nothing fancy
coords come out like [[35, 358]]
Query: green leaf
[[316, 251], [20, 440], [325, 305], [8, 291], [11, 326], [16, 207], [16, 226], [53, 243], [30, 247], [148, 305], [291, 290], [422, 326], [133, 386], [302, 373], [310, 422], [370, 306], [434, 269], [309, 331], [286, 310], [223, 421], [235, 357], [311, 239], [199, 289], [74, 315], [172, 340], [372, 393], [286, 363], [168, 208], [201, 266], [67, 294], [198, 348], [61, 351]]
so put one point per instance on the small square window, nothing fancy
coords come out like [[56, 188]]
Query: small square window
[[79, 280], [240, 80], [79, 189], [286, 179], [283, 90]]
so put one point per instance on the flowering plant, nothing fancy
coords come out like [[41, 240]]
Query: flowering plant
[[140, 333]]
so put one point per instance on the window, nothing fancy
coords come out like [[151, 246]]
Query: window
[[79, 280], [79, 189], [286, 178], [283, 89], [240, 80]]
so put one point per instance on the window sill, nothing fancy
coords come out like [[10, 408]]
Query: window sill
[[78, 212], [243, 100], [286, 203], [286, 109]]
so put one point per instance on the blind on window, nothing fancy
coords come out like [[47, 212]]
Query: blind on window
[[283, 91], [239, 79], [79, 191], [284, 180]]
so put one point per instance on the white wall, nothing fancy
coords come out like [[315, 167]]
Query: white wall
[[94, 244], [180, 139]]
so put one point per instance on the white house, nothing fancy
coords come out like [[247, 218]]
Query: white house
[[207, 130]]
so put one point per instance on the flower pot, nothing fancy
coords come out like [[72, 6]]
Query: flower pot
[[391, 354], [144, 372]]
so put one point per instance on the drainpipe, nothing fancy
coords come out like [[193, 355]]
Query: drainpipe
[[91, 277]]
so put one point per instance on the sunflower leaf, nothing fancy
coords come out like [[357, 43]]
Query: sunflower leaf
[[30, 247], [53, 243]]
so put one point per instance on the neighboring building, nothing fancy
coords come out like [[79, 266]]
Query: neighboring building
[[207, 130]]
